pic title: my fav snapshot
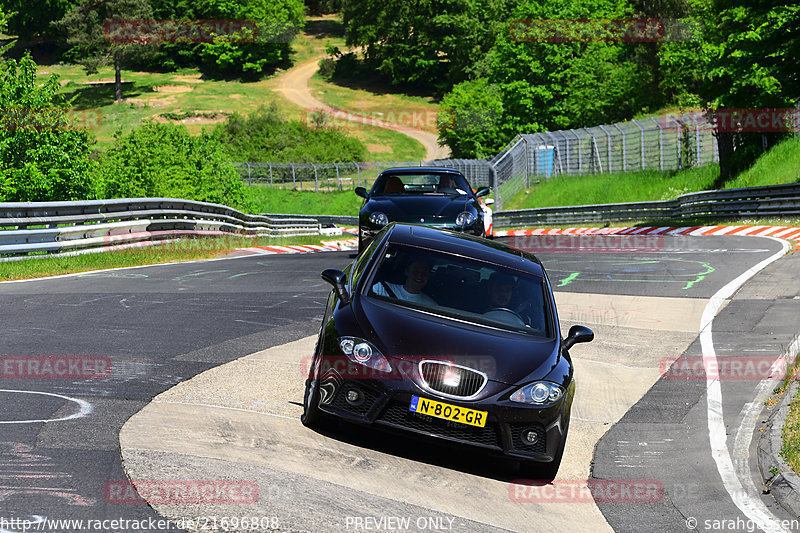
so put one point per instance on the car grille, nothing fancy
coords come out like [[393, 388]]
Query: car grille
[[397, 414], [435, 376], [540, 446]]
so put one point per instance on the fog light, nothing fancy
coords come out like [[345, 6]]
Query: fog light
[[529, 436], [354, 397]]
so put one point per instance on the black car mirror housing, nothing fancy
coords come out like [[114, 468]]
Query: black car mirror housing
[[362, 192], [577, 334], [337, 279], [483, 191]]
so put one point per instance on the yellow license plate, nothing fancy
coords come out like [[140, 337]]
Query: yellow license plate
[[462, 415]]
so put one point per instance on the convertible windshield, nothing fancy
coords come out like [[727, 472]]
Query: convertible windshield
[[461, 288], [423, 183]]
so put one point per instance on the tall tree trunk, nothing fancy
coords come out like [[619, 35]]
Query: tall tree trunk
[[117, 79], [726, 164]]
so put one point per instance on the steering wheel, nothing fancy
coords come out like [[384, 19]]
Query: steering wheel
[[509, 311]]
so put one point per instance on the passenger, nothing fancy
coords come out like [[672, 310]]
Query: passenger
[[417, 273]]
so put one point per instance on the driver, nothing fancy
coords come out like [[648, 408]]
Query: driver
[[417, 273], [501, 289]]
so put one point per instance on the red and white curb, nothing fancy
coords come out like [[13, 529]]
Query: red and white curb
[[788, 233], [330, 246]]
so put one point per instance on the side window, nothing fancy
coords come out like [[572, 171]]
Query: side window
[[362, 262]]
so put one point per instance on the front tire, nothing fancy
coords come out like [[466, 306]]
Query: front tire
[[312, 415]]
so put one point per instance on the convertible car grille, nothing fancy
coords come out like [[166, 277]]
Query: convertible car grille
[[398, 415], [452, 380]]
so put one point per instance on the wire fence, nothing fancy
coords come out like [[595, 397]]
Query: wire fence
[[669, 142]]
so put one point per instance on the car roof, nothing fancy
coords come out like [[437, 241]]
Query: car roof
[[420, 170], [452, 242]]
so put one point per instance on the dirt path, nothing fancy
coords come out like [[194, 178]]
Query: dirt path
[[293, 85]]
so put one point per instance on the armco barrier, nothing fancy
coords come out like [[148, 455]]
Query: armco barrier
[[752, 202], [27, 227]]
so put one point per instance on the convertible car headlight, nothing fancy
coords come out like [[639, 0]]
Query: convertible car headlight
[[539, 393], [362, 352], [379, 219], [464, 219]]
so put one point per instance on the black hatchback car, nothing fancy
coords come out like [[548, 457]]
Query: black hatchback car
[[450, 336], [430, 196]]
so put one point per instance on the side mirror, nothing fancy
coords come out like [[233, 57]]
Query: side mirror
[[337, 278], [577, 334], [489, 201], [362, 192], [483, 191]]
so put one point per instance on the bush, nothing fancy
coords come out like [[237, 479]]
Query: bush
[[43, 156], [265, 136], [164, 160], [469, 122]]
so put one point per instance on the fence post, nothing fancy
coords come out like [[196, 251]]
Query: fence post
[[527, 167], [660, 143], [498, 199], [358, 174], [624, 149], [294, 177], [641, 144], [316, 181], [338, 183], [270, 174], [249, 177], [608, 148]]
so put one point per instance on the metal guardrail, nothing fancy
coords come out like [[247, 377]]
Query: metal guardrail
[[29, 227], [755, 202]]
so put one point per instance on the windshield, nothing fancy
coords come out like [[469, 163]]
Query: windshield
[[461, 288], [442, 183]]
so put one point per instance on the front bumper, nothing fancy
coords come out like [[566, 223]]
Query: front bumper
[[386, 403]]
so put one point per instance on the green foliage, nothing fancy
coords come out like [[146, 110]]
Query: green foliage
[[268, 200], [469, 122], [237, 56], [431, 42], [164, 160], [42, 155], [265, 136], [85, 28], [30, 20]]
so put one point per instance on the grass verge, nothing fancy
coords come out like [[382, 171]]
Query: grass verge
[[173, 252], [779, 165], [264, 199], [790, 435]]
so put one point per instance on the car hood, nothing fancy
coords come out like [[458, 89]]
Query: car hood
[[410, 335], [431, 208]]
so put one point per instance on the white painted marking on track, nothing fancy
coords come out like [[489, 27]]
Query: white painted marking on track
[[745, 497], [85, 408]]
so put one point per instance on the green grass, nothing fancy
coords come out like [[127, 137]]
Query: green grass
[[780, 165], [183, 250], [270, 200]]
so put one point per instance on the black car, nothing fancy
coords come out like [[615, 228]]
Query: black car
[[436, 197], [447, 335]]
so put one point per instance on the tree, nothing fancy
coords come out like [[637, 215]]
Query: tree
[[756, 45], [43, 156], [241, 55], [86, 26], [430, 42], [470, 120], [30, 20]]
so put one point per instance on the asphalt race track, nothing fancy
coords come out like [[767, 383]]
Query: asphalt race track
[[163, 325]]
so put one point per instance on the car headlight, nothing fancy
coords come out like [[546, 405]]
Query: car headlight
[[379, 219], [465, 219], [539, 393], [362, 352]]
